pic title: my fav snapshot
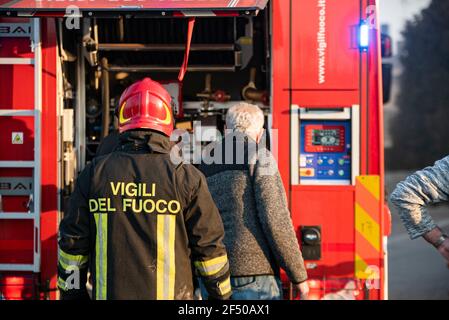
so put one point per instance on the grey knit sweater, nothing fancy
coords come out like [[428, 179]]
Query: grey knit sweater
[[259, 234], [416, 192]]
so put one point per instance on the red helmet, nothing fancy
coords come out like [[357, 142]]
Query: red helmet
[[145, 105]]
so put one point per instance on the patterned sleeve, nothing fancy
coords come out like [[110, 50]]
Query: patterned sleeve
[[416, 192]]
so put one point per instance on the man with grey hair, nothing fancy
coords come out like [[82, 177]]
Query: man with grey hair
[[247, 188], [246, 118]]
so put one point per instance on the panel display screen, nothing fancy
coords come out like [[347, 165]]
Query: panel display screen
[[322, 137]]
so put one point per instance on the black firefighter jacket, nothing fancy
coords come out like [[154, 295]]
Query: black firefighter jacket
[[142, 225]]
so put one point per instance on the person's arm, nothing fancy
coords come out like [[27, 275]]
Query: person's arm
[[73, 253], [274, 216], [416, 192], [206, 233]]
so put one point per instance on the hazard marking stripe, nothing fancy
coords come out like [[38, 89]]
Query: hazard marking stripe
[[372, 183], [369, 228], [360, 267], [368, 202], [366, 270], [363, 245], [367, 225]]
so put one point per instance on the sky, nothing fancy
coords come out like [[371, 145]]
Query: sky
[[396, 12]]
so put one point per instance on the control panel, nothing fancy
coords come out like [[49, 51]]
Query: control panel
[[325, 152]]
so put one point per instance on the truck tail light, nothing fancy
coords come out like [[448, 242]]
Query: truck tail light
[[14, 287]]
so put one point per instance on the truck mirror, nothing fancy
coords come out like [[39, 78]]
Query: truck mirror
[[386, 46], [386, 81], [387, 52]]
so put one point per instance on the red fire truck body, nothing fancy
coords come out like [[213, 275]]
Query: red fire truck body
[[317, 61], [352, 218]]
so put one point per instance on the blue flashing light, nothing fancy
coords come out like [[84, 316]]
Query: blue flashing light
[[364, 36]]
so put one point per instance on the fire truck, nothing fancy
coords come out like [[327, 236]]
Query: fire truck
[[313, 66]]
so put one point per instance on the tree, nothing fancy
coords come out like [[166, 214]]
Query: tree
[[421, 128]]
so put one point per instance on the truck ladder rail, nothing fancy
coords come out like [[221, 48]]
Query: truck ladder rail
[[17, 267], [35, 164], [17, 164], [14, 61], [17, 216]]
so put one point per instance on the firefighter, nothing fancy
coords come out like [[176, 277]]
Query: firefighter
[[138, 221], [412, 197]]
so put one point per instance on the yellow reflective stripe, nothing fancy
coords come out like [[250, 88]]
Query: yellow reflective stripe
[[70, 266], [225, 286], [212, 266], [97, 258], [101, 258], [63, 265], [62, 284], [66, 259], [165, 266], [160, 258], [171, 251]]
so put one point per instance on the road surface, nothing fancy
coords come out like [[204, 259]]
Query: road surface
[[416, 270]]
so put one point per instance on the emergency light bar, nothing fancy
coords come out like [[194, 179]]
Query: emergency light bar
[[363, 35]]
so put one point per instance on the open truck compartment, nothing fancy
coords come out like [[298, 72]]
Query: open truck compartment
[[304, 64], [105, 7], [91, 66], [229, 61]]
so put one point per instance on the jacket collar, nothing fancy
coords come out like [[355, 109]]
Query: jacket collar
[[235, 143], [239, 137], [144, 140]]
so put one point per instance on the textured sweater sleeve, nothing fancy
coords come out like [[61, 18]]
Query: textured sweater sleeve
[[416, 192], [275, 218]]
